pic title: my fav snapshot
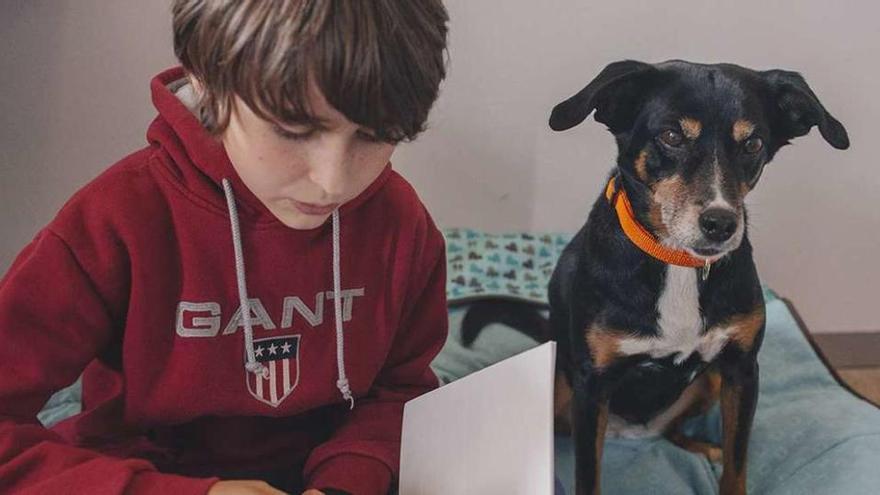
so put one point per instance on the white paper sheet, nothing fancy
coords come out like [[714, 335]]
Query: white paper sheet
[[488, 433]]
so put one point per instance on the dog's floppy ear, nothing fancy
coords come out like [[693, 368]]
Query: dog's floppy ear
[[613, 94], [800, 109]]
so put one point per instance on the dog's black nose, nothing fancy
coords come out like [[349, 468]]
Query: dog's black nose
[[718, 224]]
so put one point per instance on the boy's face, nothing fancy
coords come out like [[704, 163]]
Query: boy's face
[[303, 172]]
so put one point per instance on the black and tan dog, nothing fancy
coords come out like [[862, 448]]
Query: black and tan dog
[[655, 304]]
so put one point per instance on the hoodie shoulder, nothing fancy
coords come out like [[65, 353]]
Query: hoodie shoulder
[[401, 202], [102, 221], [114, 201]]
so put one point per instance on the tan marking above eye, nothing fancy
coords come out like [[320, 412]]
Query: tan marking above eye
[[691, 127], [742, 129]]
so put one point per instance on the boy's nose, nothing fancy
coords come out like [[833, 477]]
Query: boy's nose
[[333, 188], [331, 174]]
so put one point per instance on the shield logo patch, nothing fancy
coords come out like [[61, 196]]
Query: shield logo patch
[[280, 355]]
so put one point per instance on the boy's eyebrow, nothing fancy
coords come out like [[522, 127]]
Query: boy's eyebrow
[[322, 124], [317, 122]]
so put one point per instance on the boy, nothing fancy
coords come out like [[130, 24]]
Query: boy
[[256, 294]]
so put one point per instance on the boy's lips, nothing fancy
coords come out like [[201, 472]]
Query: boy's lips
[[313, 209]]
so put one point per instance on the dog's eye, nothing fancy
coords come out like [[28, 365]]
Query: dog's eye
[[671, 138], [753, 145]]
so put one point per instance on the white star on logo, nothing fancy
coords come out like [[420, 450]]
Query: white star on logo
[[258, 351], [286, 347], [272, 349]]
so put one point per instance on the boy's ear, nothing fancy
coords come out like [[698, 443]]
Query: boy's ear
[[615, 94], [195, 83], [799, 109]]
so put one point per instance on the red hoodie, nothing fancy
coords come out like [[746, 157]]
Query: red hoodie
[[135, 281]]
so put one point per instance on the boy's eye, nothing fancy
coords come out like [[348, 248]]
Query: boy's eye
[[292, 135]]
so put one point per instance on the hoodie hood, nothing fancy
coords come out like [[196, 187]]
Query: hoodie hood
[[204, 169]]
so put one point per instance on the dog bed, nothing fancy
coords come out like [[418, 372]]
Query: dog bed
[[811, 435]]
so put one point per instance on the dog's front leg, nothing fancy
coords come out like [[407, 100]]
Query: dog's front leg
[[739, 395], [590, 416]]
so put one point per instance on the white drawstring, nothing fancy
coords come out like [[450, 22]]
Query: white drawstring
[[342, 384], [251, 365]]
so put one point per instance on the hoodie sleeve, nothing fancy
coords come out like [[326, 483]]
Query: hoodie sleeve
[[53, 322], [363, 456]]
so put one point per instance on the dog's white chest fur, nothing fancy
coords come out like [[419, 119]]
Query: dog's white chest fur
[[680, 323]]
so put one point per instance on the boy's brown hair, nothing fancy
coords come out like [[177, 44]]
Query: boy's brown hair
[[378, 62]]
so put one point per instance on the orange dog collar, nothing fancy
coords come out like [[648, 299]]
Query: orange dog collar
[[642, 238]]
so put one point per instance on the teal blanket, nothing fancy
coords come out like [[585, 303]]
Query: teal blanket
[[811, 436]]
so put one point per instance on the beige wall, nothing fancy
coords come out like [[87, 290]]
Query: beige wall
[[75, 98]]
